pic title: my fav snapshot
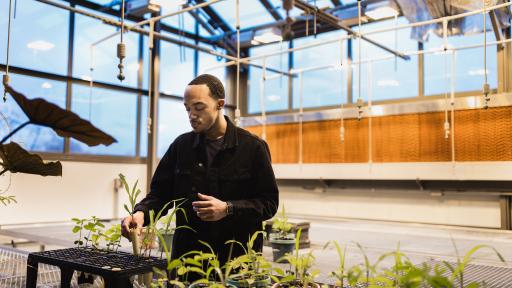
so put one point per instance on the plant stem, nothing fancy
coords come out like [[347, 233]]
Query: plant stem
[[14, 132]]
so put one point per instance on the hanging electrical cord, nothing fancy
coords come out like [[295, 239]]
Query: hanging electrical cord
[[342, 123], [360, 102], [121, 47], [396, 41], [486, 88], [446, 124], [370, 97], [262, 100], [237, 110], [301, 117], [452, 104], [5, 78], [91, 84]]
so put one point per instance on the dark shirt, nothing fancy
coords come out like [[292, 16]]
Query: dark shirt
[[240, 172], [212, 148]]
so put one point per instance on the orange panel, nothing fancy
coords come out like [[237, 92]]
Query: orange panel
[[480, 135]]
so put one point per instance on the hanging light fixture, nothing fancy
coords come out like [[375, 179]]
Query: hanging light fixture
[[381, 10], [267, 36]]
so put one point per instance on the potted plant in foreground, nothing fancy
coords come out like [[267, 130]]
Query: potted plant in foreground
[[281, 239], [299, 273], [253, 270]]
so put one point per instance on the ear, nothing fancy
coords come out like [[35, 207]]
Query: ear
[[220, 104]]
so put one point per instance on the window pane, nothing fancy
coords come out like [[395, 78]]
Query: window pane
[[39, 36], [326, 86], [33, 137], [172, 122], [391, 79], [276, 90], [105, 61], [207, 62], [112, 111], [469, 64], [144, 127], [176, 68]]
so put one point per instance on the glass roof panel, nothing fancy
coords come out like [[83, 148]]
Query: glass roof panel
[[252, 13]]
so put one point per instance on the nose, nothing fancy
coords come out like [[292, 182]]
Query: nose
[[191, 115]]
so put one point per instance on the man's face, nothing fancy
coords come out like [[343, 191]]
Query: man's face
[[202, 109]]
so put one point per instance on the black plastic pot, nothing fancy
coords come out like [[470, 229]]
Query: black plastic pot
[[296, 283], [280, 247], [240, 281], [204, 285]]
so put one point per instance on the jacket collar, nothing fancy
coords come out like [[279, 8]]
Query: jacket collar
[[230, 137]]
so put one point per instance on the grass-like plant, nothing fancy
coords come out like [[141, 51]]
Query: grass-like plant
[[458, 270], [300, 273], [340, 274]]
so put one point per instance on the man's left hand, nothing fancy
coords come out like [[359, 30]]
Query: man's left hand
[[209, 208]]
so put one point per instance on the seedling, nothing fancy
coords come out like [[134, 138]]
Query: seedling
[[281, 226], [300, 272]]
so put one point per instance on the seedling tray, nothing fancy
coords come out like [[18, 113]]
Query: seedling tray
[[115, 267]]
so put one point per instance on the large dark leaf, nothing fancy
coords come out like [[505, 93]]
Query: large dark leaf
[[18, 160], [65, 123]]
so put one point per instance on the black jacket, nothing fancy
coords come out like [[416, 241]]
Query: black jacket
[[241, 173]]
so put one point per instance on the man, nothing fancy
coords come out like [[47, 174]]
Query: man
[[223, 171]]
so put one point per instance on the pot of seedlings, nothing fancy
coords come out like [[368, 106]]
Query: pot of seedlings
[[252, 268], [300, 273], [207, 266], [281, 240]]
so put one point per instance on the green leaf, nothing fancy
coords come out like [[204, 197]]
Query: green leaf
[[18, 160], [64, 122], [76, 229]]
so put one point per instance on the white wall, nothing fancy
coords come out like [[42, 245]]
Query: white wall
[[85, 189], [410, 206]]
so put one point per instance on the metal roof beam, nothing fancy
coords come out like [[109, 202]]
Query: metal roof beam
[[271, 9]]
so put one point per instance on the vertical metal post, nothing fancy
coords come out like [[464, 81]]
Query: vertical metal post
[[69, 83], [153, 106], [350, 76], [140, 75], [290, 78]]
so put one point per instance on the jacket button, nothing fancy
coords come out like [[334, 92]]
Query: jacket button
[[193, 188], [200, 165]]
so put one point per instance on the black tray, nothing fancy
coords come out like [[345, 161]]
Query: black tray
[[114, 267]]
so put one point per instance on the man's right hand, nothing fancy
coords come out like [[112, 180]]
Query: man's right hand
[[132, 222]]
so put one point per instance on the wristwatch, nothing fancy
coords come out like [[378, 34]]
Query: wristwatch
[[229, 208]]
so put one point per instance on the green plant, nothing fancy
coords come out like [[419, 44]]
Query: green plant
[[112, 237], [6, 200], [93, 226], [133, 194], [78, 228], [340, 273], [300, 272], [281, 226], [251, 266], [65, 123], [458, 270]]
